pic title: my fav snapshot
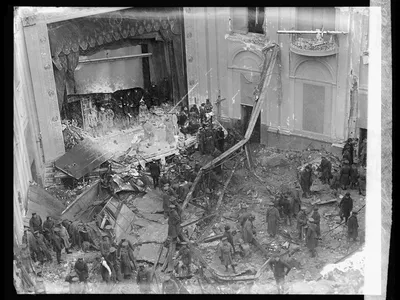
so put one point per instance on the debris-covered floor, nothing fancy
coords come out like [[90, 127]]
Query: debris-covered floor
[[137, 213]]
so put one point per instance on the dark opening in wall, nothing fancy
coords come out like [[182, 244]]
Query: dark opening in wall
[[255, 19]]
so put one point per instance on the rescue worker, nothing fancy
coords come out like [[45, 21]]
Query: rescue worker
[[325, 168], [58, 243], [229, 236], [272, 219], [143, 279], [114, 265], [169, 286], [311, 237], [295, 195], [29, 239], [126, 268], [81, 269], [225, 254], [202, 113], [306, 180], [174, 223], [105, 270], [48, 226], [346, 206], [301, 221], [352, 227], [186, 256], [194, 109], [42, 247], [130, 251], [278, 267], [64, 236], [105, 246], [285, 205], [155, 173], [248, 230], [208, 106], [35, 223], [317, 218], [361, 180], [348, 151], [345, 175], [244, 215], [353, 176], [220, 139]]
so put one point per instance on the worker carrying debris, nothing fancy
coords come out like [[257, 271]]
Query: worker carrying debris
[[311, 237], [306, 180], [81, 269], [325, 167], [169, 286], [35, 223], [317, 218], [143, 279], [346, 206], [272, 219], [278, 267], [301, 222], [225, 252], [352, 227]]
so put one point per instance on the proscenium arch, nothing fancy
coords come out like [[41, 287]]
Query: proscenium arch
[[306, 67]]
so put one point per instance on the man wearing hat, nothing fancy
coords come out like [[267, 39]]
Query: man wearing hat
[[143, 279], [306, 180], [130, 250], [64, 236], [278, 267], [58, 244], [317, 218], [35, 223], [48, 226], [325, 167], [345, 175], [248, 230], [225, 254], [346, 206], [229, 236], [352, 227], [81, 269], [311, 237], [186, 256], [272, 219], [301, 221], [43, 249], [155, 173], [169, 286]]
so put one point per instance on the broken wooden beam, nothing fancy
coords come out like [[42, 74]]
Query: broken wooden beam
[[212, 238], [198, 220]]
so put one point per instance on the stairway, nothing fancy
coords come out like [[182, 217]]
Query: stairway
[[49, 174]]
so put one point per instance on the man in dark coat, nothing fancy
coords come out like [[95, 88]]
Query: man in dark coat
[[58, 243], [29, 239], [317, 218], [202, 113], [325, 168], [248, 230], [225, 254], [272, 219], [220, 138], [202, 140], [345, 175], [346, 206], [155, 172], [301, 221], [169, 286], [115, 265], [126, 268], [105, 246], [81, 269], [352, 227], [130, 249], [311, 237], [348, 151], [286, 207], [35, 223], [48, 226], [244, 215], [143, 279], [42, 247], [295, 194], [306, 180], [278, 268], [353, 176], [229, 236]]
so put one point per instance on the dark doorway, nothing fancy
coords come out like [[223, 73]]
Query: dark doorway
[[361, 137], [246, 114]]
